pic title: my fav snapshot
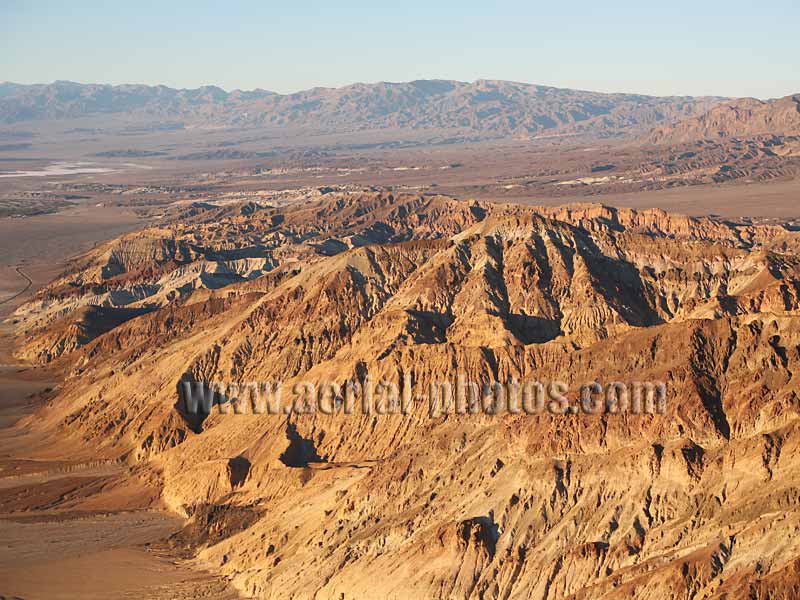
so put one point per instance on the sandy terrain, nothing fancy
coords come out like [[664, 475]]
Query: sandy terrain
[[99, 556], [45, 238], [14, 392], [95, 553], [105, 549], [773, 200]]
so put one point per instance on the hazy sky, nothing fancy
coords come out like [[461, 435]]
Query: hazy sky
[[731, 48]]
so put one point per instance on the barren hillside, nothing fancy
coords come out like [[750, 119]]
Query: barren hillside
[[491, 108], [743, 118], [700, 501]]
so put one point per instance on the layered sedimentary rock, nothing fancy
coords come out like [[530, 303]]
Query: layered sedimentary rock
[[698, 502]]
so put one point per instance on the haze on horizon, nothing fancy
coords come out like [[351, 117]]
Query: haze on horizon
[[691, 49]]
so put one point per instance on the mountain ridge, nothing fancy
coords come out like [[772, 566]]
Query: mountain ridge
[[697, 501], [741, 118], [493, 107]]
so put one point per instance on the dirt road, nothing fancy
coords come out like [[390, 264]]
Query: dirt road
[[21, 292]]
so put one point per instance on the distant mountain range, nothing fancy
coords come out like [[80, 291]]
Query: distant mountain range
[[743, 118], [492, 108]]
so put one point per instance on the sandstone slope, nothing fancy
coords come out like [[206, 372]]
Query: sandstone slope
[[699, 502]]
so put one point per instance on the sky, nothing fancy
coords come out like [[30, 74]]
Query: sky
[[702, 47]]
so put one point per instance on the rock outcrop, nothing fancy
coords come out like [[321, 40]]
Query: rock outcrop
[[699, 500]]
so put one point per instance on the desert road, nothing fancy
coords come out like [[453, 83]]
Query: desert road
[[28, 285]]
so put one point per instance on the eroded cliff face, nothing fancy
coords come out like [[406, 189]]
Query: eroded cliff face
[[698, 502]]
